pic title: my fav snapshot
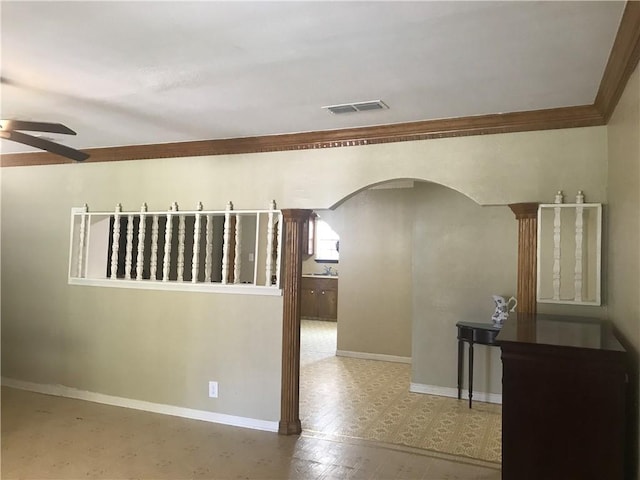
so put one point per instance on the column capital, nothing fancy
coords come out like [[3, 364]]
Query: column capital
[[524, 210], [527, 217], [296, 214]]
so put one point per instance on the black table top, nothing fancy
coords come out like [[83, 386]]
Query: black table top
[[477, 325]]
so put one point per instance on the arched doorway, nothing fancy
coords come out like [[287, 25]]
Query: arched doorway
[[291, 347]]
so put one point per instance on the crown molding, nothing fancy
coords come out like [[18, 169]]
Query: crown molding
[[566, 117], [621, 64], [623, 60]]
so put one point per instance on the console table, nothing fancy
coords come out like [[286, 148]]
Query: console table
[[472, 333], [564, 399]]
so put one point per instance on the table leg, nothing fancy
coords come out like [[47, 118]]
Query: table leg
[[470, 372], [460, 361]]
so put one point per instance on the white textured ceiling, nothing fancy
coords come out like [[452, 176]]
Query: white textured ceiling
[[124, 73]]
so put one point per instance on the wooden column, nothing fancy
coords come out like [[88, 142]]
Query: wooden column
[[294, 221], [527, 216]]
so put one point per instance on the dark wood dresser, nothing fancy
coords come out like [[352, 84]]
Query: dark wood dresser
[[564, 385]]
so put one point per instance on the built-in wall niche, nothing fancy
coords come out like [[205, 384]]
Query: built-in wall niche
[[569, 252]]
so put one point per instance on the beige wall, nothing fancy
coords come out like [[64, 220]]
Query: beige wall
[[161, 347], [623, 235], [462, 254], [164, 347], [624, 213], [491, 169], [416, 261], [374, 303]]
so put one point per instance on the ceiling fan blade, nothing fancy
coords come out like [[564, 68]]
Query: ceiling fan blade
[[42, 144], [36, 126]]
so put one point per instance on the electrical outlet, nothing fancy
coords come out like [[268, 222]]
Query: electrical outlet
[[213, 389]]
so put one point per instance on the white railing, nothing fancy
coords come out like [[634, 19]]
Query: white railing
[[569, 252], [231, 251]]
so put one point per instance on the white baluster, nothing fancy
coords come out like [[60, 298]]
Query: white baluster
[[269, 265], [195, 262], [115, 245], [579, 243], [168, 235], [226, 243], [208, 262], [129, 251], [237, 261], [83, 227], [153, 267], [142, 228], [559, 197], [181, 234], [255, 249], [556, 246]]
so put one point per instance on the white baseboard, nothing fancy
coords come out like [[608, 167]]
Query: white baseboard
[[373, 356], [213, 417], [453, 393]]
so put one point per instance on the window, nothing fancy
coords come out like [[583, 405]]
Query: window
[[327, 243]]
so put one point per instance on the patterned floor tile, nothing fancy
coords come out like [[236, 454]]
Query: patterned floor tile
[[371, 400]]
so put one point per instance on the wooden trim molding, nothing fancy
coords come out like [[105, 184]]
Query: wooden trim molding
[[527, 216], [294, 220], [567, 117], [623, 60]]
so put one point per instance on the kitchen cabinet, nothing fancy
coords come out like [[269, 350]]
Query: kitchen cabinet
[[319, 298]]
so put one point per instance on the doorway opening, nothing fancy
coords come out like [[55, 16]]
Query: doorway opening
[[364, 390]]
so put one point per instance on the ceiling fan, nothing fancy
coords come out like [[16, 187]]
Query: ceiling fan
[[10, 130]]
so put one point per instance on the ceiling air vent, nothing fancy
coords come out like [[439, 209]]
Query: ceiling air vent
[[357, 107]]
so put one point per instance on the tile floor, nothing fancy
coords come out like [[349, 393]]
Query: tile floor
[[348, 397]]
